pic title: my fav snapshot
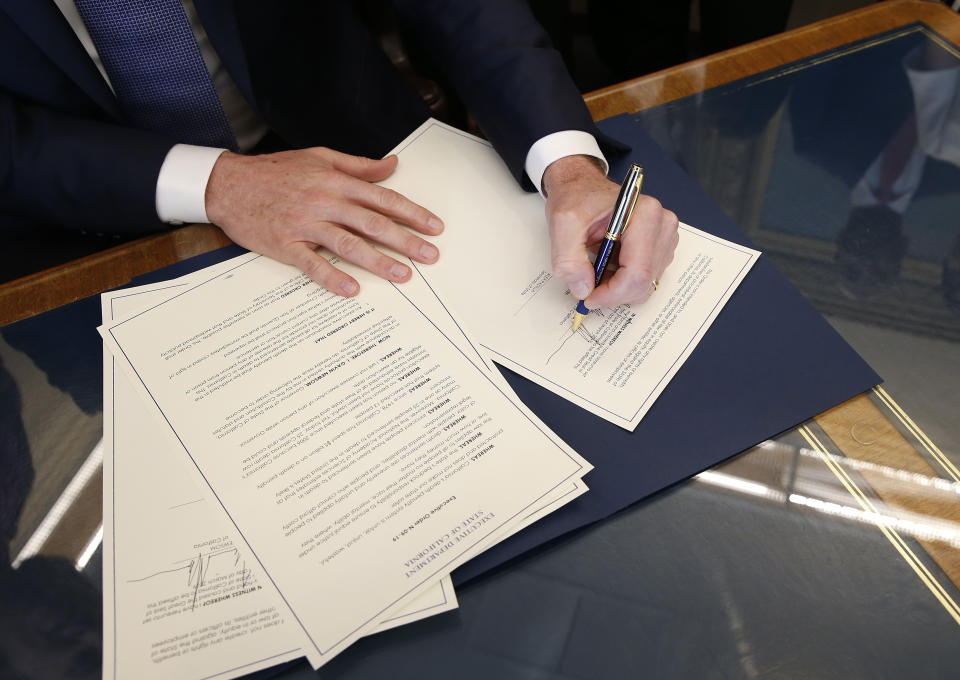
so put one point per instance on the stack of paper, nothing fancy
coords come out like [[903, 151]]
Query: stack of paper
[[287, 471]]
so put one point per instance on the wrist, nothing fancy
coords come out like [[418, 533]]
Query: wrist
[[571, 169], [223, 178]]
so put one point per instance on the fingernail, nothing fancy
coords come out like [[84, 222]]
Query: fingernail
[[435, 224], [428, 252], [348, 287], [398, 271], [579, 289]]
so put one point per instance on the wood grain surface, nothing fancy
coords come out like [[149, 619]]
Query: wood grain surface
[[746, 60]]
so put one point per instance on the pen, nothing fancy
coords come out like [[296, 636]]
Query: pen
[[622, 210]]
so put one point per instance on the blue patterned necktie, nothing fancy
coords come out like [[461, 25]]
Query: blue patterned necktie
[[156, 69]]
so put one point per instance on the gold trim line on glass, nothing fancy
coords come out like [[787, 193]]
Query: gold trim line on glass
[[920, 435], [895, 539]]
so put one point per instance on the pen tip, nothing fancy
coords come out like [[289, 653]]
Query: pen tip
[[577, 320]]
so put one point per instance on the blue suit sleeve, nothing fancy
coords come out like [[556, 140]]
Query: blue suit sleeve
[[513, 82], [47, 160]]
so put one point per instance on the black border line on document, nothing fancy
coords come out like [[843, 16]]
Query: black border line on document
[[510, 363], [113, 491], [336, 643]]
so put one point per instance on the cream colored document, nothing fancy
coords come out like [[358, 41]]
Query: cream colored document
[[495, 270], [180, 595], [354, 447]]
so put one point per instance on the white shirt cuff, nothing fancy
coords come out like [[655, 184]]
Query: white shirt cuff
[[182, 183], [559, 145]]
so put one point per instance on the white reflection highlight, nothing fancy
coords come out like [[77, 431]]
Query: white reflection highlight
[[62, 505], [919, 526], [90, 548], [926, 481], [925, 528], [733, 483]]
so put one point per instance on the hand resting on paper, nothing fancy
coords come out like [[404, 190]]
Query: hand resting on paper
[[286, 205], [579, 203]]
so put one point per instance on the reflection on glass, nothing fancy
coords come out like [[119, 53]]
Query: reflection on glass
[[785, 474], [845, 170], [50, 607], [65, 507]]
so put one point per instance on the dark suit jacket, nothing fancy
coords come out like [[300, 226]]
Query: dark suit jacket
[[310, 67]]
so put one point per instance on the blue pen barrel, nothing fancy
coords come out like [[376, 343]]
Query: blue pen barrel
[[600, 264], [619, 219]]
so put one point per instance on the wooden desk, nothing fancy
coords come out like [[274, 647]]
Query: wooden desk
[[863, 449]]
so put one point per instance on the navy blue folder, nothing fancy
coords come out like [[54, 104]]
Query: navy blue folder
[[768, 362]]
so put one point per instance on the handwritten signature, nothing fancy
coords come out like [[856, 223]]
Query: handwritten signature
[[199, 568]]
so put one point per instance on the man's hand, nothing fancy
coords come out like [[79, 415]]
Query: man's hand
[[286, 205], [579, 203]]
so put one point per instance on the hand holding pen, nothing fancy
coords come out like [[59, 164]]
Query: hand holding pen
[[578, 211], [619, 221]]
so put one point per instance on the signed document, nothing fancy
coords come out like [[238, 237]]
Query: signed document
[[180, 595], [495, 271], [355, 449]]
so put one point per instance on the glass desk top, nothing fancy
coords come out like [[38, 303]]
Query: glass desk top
[[828, 552], [844, 169]]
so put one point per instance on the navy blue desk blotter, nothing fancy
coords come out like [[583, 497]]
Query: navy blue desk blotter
[[768, 362]]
